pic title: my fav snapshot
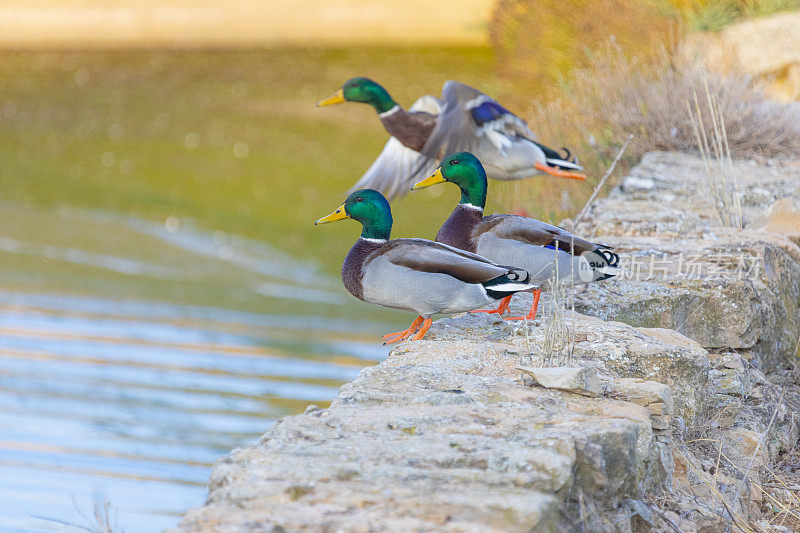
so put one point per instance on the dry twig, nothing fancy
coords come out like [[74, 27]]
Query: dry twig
[[602, 182]]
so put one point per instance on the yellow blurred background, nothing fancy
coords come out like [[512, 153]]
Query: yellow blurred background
[[206, 23]]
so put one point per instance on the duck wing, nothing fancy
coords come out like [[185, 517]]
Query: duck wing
[[470, 119], [537, 233], [475, 122], [398, 167], [428, 256]]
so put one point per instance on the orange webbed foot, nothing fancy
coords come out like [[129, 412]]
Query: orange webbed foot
[[398, 336], [534, 308], [559, 173], [426, 325], [502, 308]]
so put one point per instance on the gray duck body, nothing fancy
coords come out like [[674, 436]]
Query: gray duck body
[[426, 277], [529, 244], [458, 121]]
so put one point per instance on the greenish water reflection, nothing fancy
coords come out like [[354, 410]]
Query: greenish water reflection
[[164, 295]]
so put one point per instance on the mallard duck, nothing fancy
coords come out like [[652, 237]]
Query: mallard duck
[[418, 275], [512, 239], [462, 119]]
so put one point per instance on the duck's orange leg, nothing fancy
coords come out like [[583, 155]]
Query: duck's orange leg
[[426, 325], [557, 172], [502, 308], [400, 335], [532, 313]]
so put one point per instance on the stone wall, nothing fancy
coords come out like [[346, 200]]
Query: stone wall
[[674, 405]]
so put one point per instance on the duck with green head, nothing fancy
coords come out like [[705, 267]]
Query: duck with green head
[[418, 275], [463, 119], [540, 248]]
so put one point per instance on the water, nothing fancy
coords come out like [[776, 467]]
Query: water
[[135, 354]]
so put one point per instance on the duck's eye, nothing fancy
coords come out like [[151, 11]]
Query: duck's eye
[[454, 162], [359, 199]]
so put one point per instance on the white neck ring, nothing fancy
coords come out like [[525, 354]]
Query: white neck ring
[[392, 111]]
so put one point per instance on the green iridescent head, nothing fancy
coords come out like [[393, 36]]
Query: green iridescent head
[[368, 207], [466, 171], [362, 90]]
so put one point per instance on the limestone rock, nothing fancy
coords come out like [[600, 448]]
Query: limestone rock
[[381, 456], [580, 380], [458, 413], [681, 270], [743, 445], [616, 349], [730, 381], [660, 422], [645, 393]]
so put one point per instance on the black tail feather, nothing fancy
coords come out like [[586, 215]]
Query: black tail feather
[[515, 280], [548, 152], [605, 265]]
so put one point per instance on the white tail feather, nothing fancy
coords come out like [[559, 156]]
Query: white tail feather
[[563, 163], [511, 287]]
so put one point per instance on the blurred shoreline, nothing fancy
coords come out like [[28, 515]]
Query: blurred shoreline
[[240, 23]]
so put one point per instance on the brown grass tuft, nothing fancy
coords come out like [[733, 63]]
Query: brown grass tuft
[[649, 100]]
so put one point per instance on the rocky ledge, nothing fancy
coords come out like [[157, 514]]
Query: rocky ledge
[[666, 400]]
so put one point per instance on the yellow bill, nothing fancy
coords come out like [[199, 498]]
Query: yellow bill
[[337, 98], [339, 214], [435, 178]]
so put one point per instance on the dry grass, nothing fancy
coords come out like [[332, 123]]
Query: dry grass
[[103, 518], [727, 483], [586, 74], [648, 99], [559, 342], [557, 346], [616, 96], [716, 154], [780, 499], [601, 183]]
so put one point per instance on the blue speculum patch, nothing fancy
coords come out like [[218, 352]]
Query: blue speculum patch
[[487, 112]]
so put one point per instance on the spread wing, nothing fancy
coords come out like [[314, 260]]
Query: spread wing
[[429, 256], [397, 168], [470, 119], [538, 233]]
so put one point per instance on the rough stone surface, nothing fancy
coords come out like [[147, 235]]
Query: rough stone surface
[[580, 380], [718, 286], [646, 393], [672, 401]]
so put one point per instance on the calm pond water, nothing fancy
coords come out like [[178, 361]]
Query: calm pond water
[[134, 354]]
